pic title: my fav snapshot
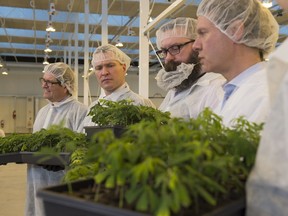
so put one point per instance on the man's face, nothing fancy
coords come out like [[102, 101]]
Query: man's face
[[185, 55], [214, 47], [110, 75], [52, 90]]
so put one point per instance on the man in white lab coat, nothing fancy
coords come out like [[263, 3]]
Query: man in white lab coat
[[189, 89], [59, 88], [110, 65], [234, 38]]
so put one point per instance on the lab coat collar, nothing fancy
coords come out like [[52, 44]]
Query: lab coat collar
[[204, 80], [116, 94], [60, 103]]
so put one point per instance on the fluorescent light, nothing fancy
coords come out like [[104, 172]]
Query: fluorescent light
[[4, 73]]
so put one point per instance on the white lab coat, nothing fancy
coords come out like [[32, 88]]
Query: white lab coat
[[121, 93], [72, 113], [206, 92], [267, 186], [250, 99]]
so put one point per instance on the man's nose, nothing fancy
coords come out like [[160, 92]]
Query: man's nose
[[104, 71], [169, 57], [196, 45]]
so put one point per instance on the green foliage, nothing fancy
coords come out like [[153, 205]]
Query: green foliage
[[123, 113], [164, 167], [13, 142], [56, 137]]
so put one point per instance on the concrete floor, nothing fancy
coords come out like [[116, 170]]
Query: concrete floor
[[12, 189]]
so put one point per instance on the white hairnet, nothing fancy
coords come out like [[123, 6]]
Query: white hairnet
[[64, 74], [110, 52], [179, 27], [260, 29]]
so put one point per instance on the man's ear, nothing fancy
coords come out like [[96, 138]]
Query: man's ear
[[124, 67], [236, 30], [66, 90]]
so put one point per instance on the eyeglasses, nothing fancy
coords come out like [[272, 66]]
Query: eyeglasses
[[48, 82], [173, 50]]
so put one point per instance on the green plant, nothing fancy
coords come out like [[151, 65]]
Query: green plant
[[172, 167], [57, 137], [123, 113], [13, 142]]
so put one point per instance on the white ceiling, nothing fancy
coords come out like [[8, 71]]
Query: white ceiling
[[23, 24]]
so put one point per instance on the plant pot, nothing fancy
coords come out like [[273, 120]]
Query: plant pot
[[57, 202], [91, 130]]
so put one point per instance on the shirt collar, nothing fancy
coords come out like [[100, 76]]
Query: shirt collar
[[238, 80]]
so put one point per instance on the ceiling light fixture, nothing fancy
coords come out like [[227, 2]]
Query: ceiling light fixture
[[267, 3], [50, 28], [119, 44], [45, 62], [4, 71], [47, 49], [1, 62]]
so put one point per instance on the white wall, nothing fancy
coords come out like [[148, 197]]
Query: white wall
[[22, 84]]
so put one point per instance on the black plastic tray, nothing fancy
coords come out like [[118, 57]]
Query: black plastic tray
[[31, 158], [91, 130], [10, 158], [57, 202]]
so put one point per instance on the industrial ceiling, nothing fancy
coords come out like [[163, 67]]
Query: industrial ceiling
[[23, 35]]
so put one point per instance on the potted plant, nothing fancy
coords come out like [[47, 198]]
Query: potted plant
[[117, 115], [173, 168]]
